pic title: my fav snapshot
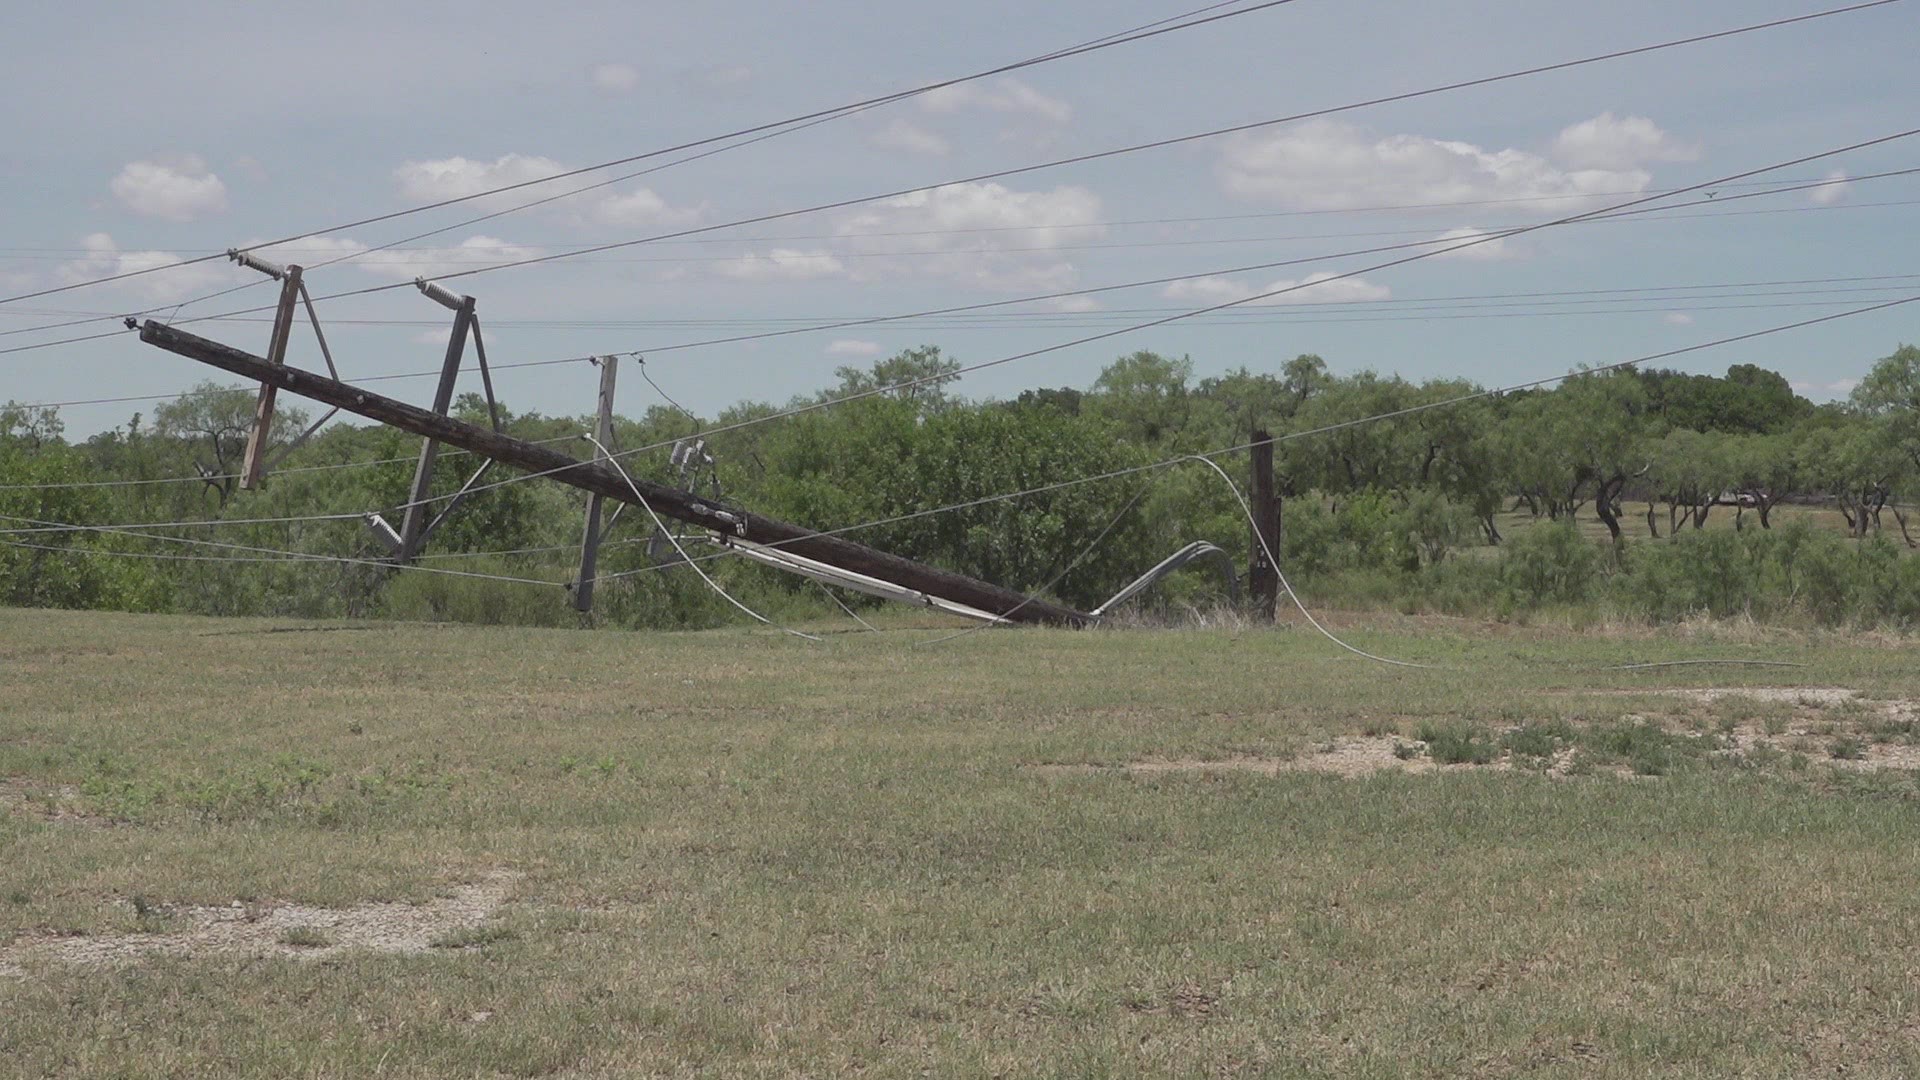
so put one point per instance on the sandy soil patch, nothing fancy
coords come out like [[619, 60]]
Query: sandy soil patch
[[261, 930], [1818, 697], [1348, 757]]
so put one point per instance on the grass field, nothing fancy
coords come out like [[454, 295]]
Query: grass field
[[261, 849]]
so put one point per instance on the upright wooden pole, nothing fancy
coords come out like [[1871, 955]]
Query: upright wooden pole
[[1264, 578], [415, 521], [601, 477], [590, 542], [255, 460]]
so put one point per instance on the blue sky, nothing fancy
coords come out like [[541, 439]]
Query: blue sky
[[135, 137]]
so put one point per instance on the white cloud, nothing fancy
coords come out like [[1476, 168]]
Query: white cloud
[[1071, 304], [1328, 165], [1677, 318], [472, 253], [642, 206], [1610, 142], [1316, 288], [783, 264], [1832, 191], [614, 78], [402, 263], [1499, 250], [459, 177], [105, 259], [904, 135], [851, 347], [176, 189], [311, 250], [981, 234], [1003, 96], [1843, 386]]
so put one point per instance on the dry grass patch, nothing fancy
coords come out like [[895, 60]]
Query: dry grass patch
[[277, 930], [753, 856]]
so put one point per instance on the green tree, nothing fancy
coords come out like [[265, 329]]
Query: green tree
[[213, 422], [1147, 399]]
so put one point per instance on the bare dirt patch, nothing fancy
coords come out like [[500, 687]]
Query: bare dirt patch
[[1349, 757], [276, 930], [1824, 697]]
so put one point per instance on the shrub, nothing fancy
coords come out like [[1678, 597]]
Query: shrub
[[1550, 564], [1456, 744]]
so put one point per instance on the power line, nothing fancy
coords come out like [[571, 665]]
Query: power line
[[60, 253], [431, 259], [1303, 314], [1151, 31], [1109, 39], [1179, 140], [907, 384], [1021, 170], [291, 556], [985, 305], [1062, 294]]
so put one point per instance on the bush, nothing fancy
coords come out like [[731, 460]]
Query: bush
[[1550, 564]]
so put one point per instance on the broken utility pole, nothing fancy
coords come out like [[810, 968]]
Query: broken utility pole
[[604, 479], [1264, 577], [590, 542]]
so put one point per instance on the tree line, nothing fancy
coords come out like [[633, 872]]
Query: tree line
[[1414, 510]]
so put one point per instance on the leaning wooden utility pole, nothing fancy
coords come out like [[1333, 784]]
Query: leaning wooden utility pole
[[255, 462], [590, 542], [254, 465], [604, 479], [415, 521], [1264, 578]]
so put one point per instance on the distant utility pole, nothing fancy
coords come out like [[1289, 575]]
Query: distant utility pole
[[1264, 576], [590, 542]]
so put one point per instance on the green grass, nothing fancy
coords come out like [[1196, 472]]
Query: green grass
[[740, 854]]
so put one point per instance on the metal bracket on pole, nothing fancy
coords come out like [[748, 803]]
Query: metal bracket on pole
[[590, 541]]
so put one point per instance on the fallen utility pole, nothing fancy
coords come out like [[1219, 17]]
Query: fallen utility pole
[[603, 479]]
